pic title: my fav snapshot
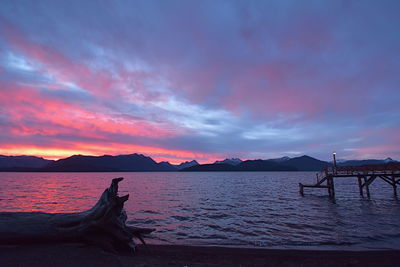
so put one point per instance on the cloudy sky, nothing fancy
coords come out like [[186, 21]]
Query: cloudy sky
[[205, 80]]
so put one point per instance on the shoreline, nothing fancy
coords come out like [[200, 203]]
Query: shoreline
[[181, 255]]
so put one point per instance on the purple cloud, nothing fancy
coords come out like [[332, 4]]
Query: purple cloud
[[207, 79]]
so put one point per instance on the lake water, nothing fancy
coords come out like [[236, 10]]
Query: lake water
[[240, 209]]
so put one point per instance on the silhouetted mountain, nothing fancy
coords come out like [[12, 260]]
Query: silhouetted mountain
[[168, 165], [248, 165], [133, 162], [280, 160], [303, 163], [264, 165], [366, 162], [231, 161], [16, 162], [138, 162], [307, 163], [211, 168], [186, 164]]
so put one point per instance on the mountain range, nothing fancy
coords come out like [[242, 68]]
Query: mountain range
[[303, 163], [138, 162], [22, 161], [365, 162], [232, 161]]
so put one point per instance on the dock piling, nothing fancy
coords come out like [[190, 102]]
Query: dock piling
[[360, 186], [366, 186], [394, 184], [332, 187]]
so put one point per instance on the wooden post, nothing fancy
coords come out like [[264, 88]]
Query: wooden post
[[301, 189], [328, 186], [394, 186], [329, 183], [334, 163], [366, 186], [360, 186], [332, 186]]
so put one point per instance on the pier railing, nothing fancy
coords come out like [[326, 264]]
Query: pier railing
[[365, 169]]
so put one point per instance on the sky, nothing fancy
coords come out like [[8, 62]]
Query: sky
[[204, 80]]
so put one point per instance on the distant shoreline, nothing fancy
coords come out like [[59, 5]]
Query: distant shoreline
[[141, 163]]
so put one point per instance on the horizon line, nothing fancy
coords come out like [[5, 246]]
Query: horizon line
[[180, 162]]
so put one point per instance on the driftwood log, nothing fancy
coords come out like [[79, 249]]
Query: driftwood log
[[103, 225]]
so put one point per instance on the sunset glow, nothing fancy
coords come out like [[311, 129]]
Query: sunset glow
[[200, 80]]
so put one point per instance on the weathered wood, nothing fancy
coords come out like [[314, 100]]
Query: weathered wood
[[328, 182], [394, 187], [390, 173], [360, 186], [386, 179], [392, 181], [103, 225], [332, 187], [366, 185]]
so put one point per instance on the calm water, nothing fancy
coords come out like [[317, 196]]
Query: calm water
[[244, 209]]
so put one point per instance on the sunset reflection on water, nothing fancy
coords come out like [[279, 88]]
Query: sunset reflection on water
[[49, 192], [221, 208]]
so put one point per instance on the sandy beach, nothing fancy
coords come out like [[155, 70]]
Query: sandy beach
[[165, 255]]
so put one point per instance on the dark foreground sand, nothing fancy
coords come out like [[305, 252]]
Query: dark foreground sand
[[79, 255]]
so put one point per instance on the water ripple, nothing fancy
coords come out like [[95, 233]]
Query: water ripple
[[226, 209]]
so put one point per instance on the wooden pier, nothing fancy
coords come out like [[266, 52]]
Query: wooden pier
[[390, 173]]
